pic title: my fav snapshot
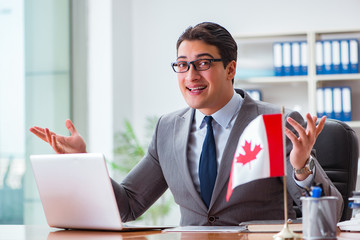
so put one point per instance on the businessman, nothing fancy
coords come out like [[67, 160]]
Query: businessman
[[192, 149]]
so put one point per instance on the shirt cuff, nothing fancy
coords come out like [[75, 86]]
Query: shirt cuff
[[307, 181]]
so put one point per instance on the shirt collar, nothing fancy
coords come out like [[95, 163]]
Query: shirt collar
[[224, 116]]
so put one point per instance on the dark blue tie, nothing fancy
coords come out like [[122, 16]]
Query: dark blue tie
[[208, 164]]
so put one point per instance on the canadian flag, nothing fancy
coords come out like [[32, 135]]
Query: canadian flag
[[260, 152]]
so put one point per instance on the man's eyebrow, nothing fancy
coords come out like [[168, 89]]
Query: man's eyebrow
[[204, 54], [198, 56], [180, 57]]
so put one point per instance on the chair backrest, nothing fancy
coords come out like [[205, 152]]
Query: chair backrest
[[337, 151]]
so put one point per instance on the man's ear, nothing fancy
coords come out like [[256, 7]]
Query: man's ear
[[231, 70]]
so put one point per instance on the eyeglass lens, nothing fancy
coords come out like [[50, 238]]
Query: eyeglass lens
[[199, 65]]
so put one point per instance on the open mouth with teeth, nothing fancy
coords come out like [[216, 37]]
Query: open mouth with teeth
[[196, 89]]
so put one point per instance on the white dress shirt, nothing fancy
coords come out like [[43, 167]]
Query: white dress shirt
[[223, 121]]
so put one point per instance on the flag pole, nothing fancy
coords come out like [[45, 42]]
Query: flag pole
[[286, 232]]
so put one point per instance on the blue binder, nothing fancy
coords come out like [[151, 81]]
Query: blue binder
[[320, 102], [328, 102], [337, 103], [345, 58], [319, 57], [295, 58], [346, 103], [354, 55], [304, 58], [287, 58], [278, 59], [328, 66], [335, 56]]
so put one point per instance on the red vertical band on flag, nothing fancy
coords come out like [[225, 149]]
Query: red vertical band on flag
[[273, 127]]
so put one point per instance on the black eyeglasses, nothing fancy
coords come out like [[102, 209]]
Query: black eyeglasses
[[199, 65]]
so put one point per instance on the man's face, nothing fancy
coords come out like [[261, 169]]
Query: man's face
[[209, 90]]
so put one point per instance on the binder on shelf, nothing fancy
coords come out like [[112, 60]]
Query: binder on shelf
[[345, 59], [354, 55], [334, 102], [295, 58], [346, 103], [286, 47], [320, 102], [338, 113], [328, 102], [328, 67], [304, 58], [278, 59], [319, 57], [335, 56]]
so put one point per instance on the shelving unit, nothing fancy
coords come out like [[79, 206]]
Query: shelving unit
[[297, 92]]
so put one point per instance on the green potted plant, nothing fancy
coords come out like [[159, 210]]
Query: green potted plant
[[128, 152]]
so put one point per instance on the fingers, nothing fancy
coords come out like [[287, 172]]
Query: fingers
[[69, 125], [312, 130], [55, 145], [320, 126], [291, 135], [48, 136], [311, 124], [39, 132], [61, 144], [297, 126]]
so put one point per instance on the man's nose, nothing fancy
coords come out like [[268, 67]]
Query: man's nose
[[192, 73]]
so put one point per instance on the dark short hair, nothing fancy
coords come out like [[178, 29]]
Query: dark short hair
[[212, 34]]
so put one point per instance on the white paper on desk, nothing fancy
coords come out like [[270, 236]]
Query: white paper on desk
[[350, 225], [348, 236], [207, 229]]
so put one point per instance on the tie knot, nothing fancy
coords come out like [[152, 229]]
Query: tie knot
[[208, 120]]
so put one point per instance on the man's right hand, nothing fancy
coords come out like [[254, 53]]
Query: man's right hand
[[62, 144]]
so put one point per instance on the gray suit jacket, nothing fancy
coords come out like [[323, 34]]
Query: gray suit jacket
[[165, 166]]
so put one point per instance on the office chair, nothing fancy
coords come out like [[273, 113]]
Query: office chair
[[337, 151]]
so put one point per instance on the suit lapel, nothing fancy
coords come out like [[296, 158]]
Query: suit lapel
[[180, 141], [247, 113]]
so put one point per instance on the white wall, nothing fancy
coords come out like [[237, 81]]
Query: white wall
[[158, 23]]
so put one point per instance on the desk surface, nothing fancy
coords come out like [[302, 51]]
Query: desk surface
[[21, 232]]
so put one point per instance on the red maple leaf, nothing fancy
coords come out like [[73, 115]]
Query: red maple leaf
[[249, 155]]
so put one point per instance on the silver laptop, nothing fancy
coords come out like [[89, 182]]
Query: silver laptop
[[76, 192]]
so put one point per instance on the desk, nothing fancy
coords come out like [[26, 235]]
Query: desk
[[25, 232]]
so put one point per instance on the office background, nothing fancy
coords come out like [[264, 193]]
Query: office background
[[99, 62]]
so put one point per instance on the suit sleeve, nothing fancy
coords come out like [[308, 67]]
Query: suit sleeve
[[320, 175], [142, 186]]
